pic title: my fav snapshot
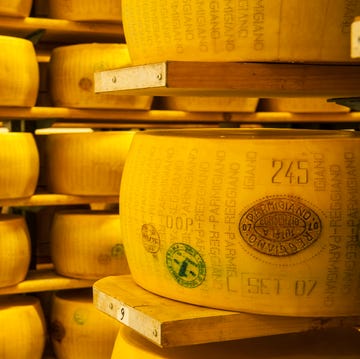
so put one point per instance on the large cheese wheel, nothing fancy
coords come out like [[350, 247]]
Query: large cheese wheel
[[90, 10], [16, 8], [210, 103], [19, 72], [71, 76], [86, 163], [87, 244], [19, 163], [251, 30], [301, 105], [78, 329], [14, 249], [23, 329], [261, 221], [335, 344]]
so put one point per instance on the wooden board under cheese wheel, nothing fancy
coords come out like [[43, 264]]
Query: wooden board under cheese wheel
[[263, 221]]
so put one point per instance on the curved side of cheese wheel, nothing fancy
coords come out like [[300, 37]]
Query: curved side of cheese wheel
[[71, 74], [23, 328], [14, 250], [19, 72], [249, 220], [302, 104], [78, 329], [210, 103], [87, 244], [16, 8], [19, 162], [91, 10], [271, 31], [86, 163], [331, 343]]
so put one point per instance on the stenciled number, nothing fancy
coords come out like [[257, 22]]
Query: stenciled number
[[291, 172]]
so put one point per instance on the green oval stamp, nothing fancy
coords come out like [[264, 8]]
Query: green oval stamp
[[186, 265]]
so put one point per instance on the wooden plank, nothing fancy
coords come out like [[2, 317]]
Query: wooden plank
[[170, 323], [241, 79], [94, 117], [62, 31], [50, 199], [45, 280]]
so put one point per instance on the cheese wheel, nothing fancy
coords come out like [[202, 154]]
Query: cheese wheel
[[301, 105], [262, 220], [210, 103], [19, 72], [86, 163], [87, 244], [319, 344], [19, 163], [71, 77], [252, 30], [23, 329], [14, 249], [78, 329], [16, 8], [90, 10]]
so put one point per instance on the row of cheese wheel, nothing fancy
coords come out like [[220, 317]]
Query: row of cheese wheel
[[84, 244], [70, 80], [71, 75], [78, 330], [72, 163]]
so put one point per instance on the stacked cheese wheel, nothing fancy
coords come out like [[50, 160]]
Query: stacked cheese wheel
[[90, 10], [78, 329], [71, 76], [22, 330], [19, 162], [86, 163], [210, 103], [261, 221], [19, 73], [302, 105], [16, 8], [87, 244], [252, 30], [14, 249], [331, 343]]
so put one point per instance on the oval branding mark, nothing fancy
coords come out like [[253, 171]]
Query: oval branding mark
[[150, 238], [280, 226]]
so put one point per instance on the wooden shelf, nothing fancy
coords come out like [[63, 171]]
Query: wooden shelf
[[169, 323], [50, 199], [71, 117], [62, 31], [233, 78], [45, 280]]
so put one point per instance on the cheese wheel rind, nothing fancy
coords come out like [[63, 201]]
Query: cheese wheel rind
[[262, 221], [78, 329], [87, 244], [16, 8], [91, 10], [19, 72], [19, 161], [71, 76], [257, 31], [86, 163], [23, 327]]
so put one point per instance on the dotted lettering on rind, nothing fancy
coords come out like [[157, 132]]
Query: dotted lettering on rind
[[150, 238], [57, 330], [186, 265], [280, 226]]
